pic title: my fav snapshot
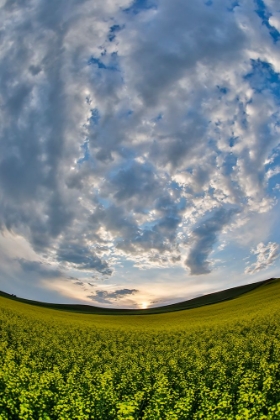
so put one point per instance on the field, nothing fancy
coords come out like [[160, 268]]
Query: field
[[220, 361]]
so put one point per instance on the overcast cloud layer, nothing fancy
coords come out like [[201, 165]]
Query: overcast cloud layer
[[139, 149]]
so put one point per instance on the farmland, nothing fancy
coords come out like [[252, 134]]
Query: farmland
[[220, 361]]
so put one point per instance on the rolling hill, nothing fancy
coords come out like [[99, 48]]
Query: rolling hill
[[208, 299]]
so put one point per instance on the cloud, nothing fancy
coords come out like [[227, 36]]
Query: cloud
[[212, 34], [275, 21], [266, 256], [81, 258], [137, 185], [38, 268], [79, 283], [202, 240], [103, 296]]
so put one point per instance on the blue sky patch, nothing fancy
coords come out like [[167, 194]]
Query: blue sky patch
[[263, 13], [233, 141], [233, 5], [113, 30], [139, 6], [263, 77], [223, 89], [98, 62], [95, 116], [85, 149], [112, 62]]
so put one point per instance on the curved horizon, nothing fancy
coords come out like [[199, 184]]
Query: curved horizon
[[196, 302]]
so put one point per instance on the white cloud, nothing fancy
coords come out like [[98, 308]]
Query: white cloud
[[275, 21], [266, 256]]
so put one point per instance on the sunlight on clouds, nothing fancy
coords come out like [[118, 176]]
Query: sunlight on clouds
[[13, 245], [266, 256]]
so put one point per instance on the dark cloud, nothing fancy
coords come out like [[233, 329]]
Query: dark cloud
[[79, 283], [181, 144], [82, 258], [212, 34], [136, 185], [103, 296], [39, 269], [203, 239]]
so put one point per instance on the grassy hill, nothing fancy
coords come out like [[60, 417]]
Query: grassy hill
[[255, 298], [208, 299], [214, 362]]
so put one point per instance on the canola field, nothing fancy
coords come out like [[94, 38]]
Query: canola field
[[220, 361]]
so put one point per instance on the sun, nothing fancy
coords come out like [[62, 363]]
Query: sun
[[144, 305]]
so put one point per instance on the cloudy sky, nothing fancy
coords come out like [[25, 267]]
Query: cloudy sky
[[139, 148]]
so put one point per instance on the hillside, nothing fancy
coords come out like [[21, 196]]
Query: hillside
[[208, 299]]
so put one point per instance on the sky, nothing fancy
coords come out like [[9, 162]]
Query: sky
[[139, 148]]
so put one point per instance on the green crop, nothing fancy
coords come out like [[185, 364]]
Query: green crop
[[216, 362]]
